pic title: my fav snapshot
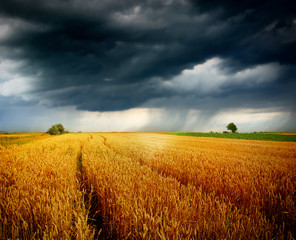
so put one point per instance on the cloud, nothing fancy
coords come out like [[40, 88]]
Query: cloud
[[142, 119], [270, 119], [209, 77], [211, 88], [188, 55]]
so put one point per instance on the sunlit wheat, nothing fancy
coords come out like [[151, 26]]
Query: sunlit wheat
[[147, 186]]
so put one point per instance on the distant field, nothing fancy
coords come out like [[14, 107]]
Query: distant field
[[147, 186], [282, 137], [20, 138], [281, 133]]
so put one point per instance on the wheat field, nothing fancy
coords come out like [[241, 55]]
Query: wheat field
[[147, 186]]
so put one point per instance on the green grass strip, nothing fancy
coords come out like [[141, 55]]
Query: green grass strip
[[247, 136]]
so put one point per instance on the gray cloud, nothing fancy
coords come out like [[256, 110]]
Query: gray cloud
[[117, 55]]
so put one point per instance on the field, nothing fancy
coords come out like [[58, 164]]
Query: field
[[20, 138], [147, 186], [272, 136]]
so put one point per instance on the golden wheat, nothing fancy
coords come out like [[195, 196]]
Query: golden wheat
[[21, 138], [147, 186], [39, 192], [254, 181]]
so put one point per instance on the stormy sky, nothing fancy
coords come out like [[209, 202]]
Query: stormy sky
[[150, 65]]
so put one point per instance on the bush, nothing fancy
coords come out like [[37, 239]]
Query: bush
[[57, 129]]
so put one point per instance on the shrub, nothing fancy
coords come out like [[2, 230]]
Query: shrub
[[57, 129]]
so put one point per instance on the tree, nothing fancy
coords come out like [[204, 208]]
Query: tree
[[61, 128], [56, 129], [232, 127]]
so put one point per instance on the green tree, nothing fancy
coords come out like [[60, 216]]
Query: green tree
[[232, 127], [56, 129], [61, 128]]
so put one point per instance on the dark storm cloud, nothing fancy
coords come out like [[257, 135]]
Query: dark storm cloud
[[113, 55]]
